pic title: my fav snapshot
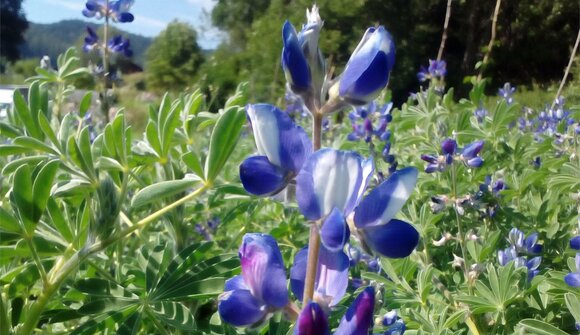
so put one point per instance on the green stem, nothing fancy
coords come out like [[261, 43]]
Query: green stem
[[37, 260], [158, 325], [460, 235], [4, 328]]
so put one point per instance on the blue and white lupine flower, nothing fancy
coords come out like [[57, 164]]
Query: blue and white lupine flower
[[302, 60], [91, 40], [356, 321], [573, 278], [367, 72], [520, 248], [116, 10], [331, 279], [469, 155], [506, 93], [282, 150], [261, 288], [120, 45], [332, 179], [394, 324], [312, 321], [437, 70]]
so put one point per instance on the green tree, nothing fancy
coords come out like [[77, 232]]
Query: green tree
[[173, 58], [13, 24]]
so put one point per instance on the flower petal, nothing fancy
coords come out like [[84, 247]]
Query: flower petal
[[125, 17], [471, 150], [312, 321], [449, 146], [359, 317], [334, 232], [396, 239], [240, 308], [235, 283], [573, 279], [293, 60], [329, 179], [383, 202], [260, 177], [263, 269], [277, 137], [575, 242], [331, 278]]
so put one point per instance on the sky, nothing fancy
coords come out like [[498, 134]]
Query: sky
[[151, 16]]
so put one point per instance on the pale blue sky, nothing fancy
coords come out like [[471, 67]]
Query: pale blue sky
[[151, 16]]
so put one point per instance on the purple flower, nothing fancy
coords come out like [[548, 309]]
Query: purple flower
[[121, 46], [261, 288], [282, 149], [469, 155], [357, 320], [573, 278], [437, 70], [506, 93], [117, 10], [480, 113], [91, 40]]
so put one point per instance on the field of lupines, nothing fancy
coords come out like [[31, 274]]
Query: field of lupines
[[336, 213]]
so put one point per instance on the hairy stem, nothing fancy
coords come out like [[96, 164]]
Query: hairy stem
[[460, 234], [445, 29], [314, 241], [567, 71]]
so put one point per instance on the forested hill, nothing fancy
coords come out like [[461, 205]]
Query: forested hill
[[54, 38]]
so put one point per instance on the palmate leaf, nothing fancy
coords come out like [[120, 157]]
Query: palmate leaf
[[174, 314], [106, 321]]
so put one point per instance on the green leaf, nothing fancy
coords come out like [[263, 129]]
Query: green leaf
[[41, 188], [540, 327], [25, 115], [191, 159], [85, 103], [34, 145], [573, 305], [161, 191], [8, 222], [223, 140], [45, 126], [10, 149], [58, 220], [175, 315], [22, 196]]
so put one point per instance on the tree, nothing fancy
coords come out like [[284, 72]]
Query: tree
[[13, 24], [173, 58]]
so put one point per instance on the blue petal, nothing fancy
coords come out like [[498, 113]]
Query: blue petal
[[263, 269], [396, 239], [298, 273], [125, 17], [359, 317], [472, 149], [575, 242], [398, 328], [235, 283], [293, 59], [330, 179], [260, 177], [383, 202], [312, 321], [277, 137], [573, 279], [367, 71], [475, 162], [331, 277], [88, 13], [534, 263], [240, 308], [449, 146], [334, 232], [362, 82]]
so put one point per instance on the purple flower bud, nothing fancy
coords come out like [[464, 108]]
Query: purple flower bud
[[449, 146]]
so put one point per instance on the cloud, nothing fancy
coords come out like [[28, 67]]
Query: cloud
[[68, 4], [146, 20], [205, 4]]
